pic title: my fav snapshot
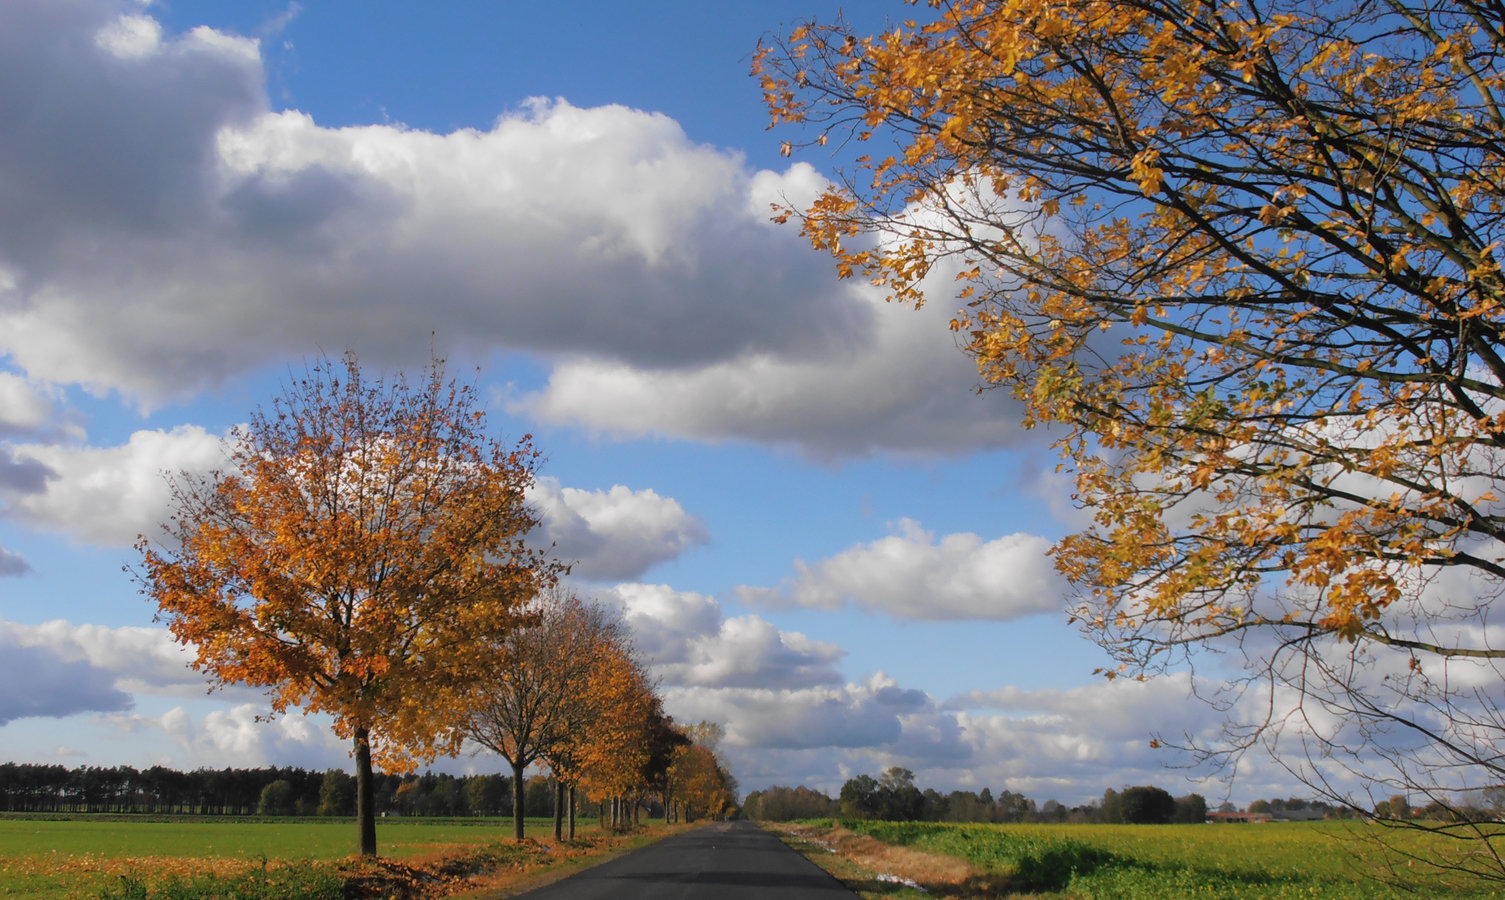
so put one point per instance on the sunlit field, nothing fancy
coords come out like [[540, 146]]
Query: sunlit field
[[1284, 860], [79, 857]]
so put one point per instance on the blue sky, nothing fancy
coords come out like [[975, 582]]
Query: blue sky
[[825, 539]]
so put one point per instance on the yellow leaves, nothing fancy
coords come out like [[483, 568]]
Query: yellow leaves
[[1334, 50], [1203, 475], [1259, 241], [1397, 261], [1273, 213]]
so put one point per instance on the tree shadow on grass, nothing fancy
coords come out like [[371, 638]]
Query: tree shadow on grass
[[1048, 871], [1054, 868]]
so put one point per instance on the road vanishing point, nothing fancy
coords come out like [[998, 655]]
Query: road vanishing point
[[722, 861]]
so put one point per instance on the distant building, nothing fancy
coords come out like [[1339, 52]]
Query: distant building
[[1279, 815], [1298, 815], [1257, 818]]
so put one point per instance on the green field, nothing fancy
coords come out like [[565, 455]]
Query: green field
[[57, 858], [1287, 860], [293, 838]]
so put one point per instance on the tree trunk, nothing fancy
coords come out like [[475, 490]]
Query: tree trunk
[[365, 794], [572, 812], [558, 810], [518, 790]]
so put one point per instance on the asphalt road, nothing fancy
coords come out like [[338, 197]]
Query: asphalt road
[[722, 861]]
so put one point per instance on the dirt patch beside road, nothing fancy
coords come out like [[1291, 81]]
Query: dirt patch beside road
[[878, 870]]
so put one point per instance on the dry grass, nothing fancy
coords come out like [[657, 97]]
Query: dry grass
[[876, 870]]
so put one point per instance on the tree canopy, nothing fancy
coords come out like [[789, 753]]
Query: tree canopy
[[1244, 259], [365, 536], [702, 783]]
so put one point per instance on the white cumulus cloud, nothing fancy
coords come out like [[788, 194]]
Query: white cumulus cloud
[[912, 575], [687, 641], [138, 659], [615, 534], [1069, 744], [109, 495], [242, 736], [837, 715], [25, 405]]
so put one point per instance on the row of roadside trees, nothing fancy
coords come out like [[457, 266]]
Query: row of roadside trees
[[568, 692]]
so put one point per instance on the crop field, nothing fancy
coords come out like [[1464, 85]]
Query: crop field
[[1227, 862], [81, 857]]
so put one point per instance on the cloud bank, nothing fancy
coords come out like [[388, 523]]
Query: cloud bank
[[790, 716], [110, 495], [134, 659], [164, 229]]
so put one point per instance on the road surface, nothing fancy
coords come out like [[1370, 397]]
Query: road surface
[[722, 861]]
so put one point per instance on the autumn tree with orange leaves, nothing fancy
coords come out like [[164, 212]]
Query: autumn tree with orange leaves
[[1243, 257], [612, 744], [553, 691], [365, 536], [702, 783]]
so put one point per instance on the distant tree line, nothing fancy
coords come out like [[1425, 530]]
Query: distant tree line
[[894, 796], [1484, 805], [702, 788], [27, 787], [1479, 806]]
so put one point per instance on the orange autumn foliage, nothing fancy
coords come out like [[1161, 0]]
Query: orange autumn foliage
[[1244, 260], [364, 539], [702, 785], [605, 751]]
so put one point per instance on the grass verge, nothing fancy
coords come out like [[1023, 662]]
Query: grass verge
[[1146, 862]]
